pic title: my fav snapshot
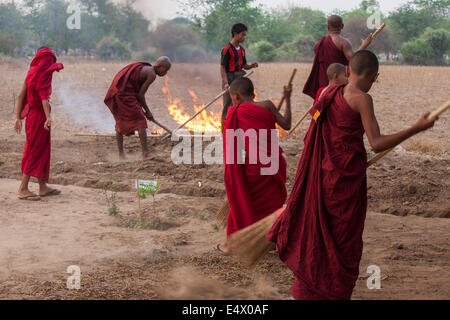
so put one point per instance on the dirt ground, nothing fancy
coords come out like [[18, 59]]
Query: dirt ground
[[406, 232]]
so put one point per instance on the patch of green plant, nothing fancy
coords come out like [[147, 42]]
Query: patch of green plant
[[111, 206], [137, 223], [202, 217], [151, 189]]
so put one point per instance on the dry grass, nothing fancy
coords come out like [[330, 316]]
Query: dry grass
[[401, 94]]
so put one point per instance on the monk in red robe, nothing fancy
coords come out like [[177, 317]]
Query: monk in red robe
[[337, 74], [255, 169], [126, 100], [330, 49], [34, 105], [319, 234]]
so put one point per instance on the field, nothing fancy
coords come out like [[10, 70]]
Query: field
[[406, 232]]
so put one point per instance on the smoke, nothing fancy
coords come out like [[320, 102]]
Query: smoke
[[187, 283], [155, 9], [83, 110]]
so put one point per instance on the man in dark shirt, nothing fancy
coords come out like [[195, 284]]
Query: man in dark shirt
[[233, 62]]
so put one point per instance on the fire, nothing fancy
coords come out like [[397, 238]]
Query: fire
[[157, 131], [281, 132], [205, 122]]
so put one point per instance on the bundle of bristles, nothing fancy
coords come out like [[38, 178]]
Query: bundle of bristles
[[250, 244]]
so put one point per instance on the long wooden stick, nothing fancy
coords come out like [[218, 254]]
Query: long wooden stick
[[161, 126], [298, 123], [432, 116], [202, 109], [378, 30], [139, 201], [280, 104]]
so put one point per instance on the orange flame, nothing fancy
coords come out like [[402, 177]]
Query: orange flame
[[205, 122]]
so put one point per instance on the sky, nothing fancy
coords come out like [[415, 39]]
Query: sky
[[167, 9]]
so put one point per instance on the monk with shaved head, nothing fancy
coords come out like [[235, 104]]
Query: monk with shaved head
[[126, 100], [333, 48], [255, 169], [319, 235]]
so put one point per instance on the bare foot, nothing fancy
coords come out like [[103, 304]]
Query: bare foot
[[28, 195], [222, 249], [46, 191]]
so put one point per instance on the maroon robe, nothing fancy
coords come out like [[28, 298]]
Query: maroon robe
[[36, 155], [121, 99], [251, 195], [326, 53], [319, 235]]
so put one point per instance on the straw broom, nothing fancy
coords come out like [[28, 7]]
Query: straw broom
[[222, 213], [249, 245]]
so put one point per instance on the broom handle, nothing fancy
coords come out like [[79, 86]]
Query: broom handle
[[432, 116], [298, 123], [289, 84], [378, 30], [161, 126]]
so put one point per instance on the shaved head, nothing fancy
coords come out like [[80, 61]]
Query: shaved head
[[364, 63], [243, 86], [164, 62], [335, 22], [335, 69]]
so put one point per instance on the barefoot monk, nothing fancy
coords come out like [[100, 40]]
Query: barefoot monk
[[126, 100]]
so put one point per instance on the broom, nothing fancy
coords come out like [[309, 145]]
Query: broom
[[250, 244], [222, 213]]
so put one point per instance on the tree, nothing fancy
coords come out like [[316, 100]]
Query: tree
[[264, 51], [274, 27], [112, 48], [429, 49], [217, 17], [12, 30], [168, 37], [411, 19], [309, 22], [355, 29]]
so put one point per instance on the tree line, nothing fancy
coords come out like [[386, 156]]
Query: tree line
[[416, 33]]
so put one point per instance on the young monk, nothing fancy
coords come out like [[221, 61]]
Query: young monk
[[34, 105], [330, 49], [255, 187], [233, 62], [126, 100], [337, 74], [319, 235]]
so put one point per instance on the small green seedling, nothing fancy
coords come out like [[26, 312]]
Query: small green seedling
[[112, 208], [149, 188]]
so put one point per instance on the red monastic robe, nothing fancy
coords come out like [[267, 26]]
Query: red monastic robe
[[319, 235], [251, 195], [121, 99], [319, 94], [326, 53], [36, 155]]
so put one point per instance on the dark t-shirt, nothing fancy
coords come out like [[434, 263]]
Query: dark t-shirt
[[233, 58]]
